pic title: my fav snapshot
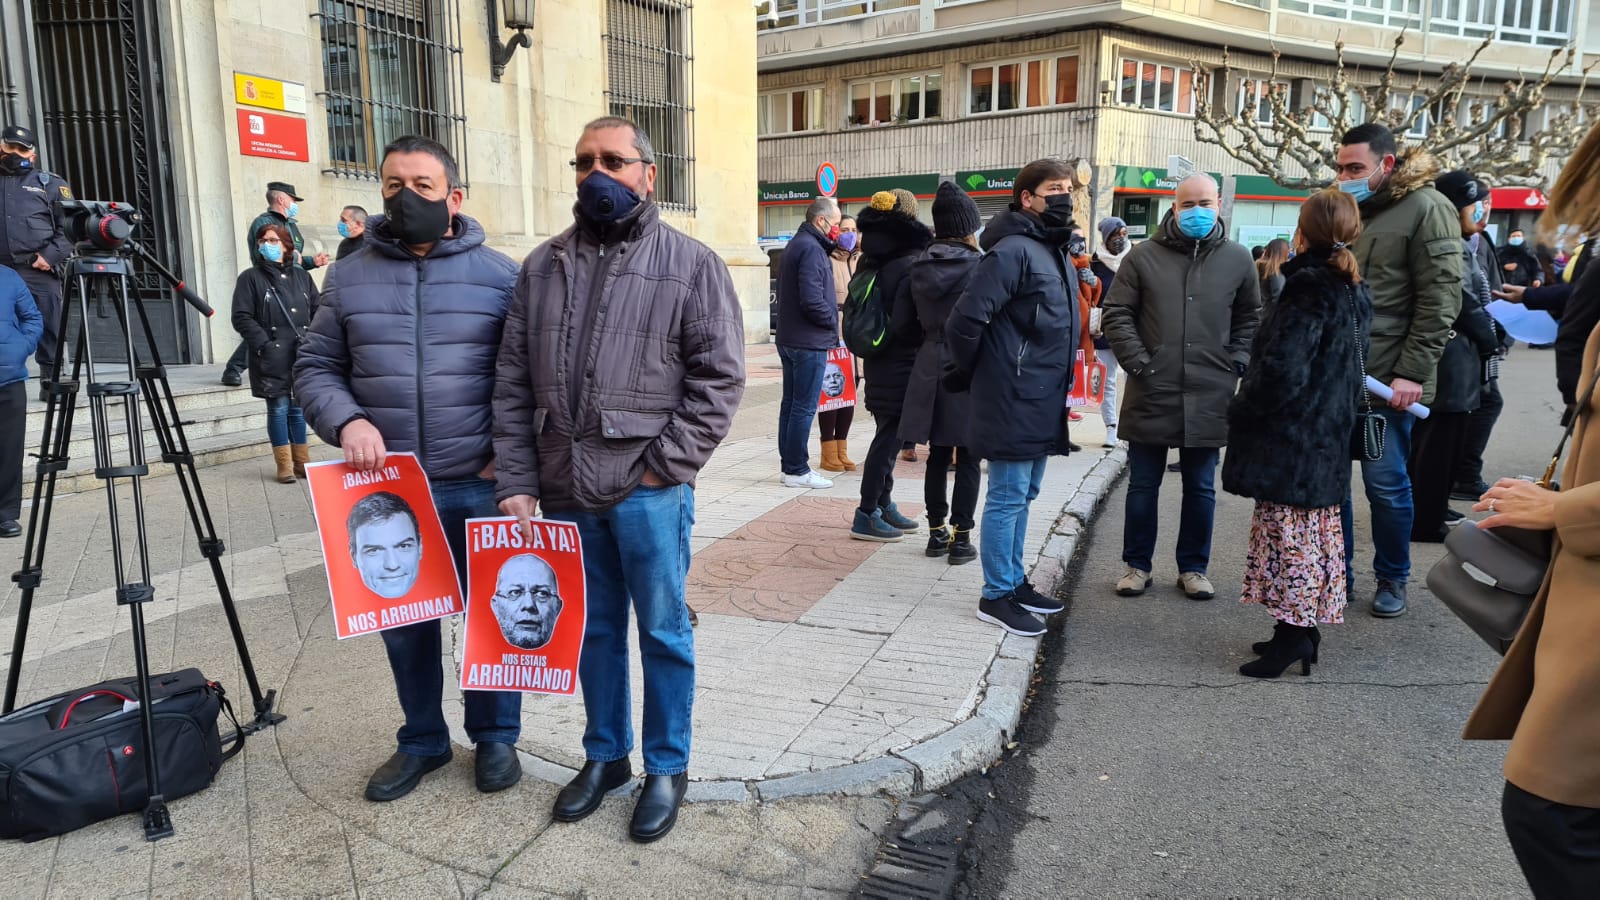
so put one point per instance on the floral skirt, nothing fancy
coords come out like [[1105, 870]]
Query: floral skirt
[[1295, 565]]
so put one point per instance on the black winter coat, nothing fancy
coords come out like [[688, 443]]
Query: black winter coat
[[934, 414], [1581, 316], [1014, 336], [890, 242], [1472, 338], [1107, 276], [808, 303], [1289, 425], [273, 333]]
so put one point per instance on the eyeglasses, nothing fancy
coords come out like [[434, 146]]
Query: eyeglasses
[[516, 594], [611, 161]]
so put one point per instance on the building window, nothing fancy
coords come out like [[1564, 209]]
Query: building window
[[1393, 13], [788, 112], [1028, 84], [885, 101], [1358, 110], [1157, 86], [390, 68], [1257, 95], [650, 79]]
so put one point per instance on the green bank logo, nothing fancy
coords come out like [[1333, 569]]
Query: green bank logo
[[1149, 178], [976, 181]]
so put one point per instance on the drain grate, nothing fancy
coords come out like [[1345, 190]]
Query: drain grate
[[906, 869]]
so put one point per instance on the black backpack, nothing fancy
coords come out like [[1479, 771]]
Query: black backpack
[[866, 319]]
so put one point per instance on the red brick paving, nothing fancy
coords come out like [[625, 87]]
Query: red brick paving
[[779, 565]]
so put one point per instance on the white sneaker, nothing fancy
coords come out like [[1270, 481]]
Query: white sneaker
[[809, 480], [1111, 437]]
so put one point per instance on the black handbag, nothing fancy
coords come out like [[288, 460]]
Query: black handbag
[[1490, 577], [78, 757], [1371, 433]]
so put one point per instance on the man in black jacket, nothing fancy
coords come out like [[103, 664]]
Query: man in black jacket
[[808, 327], [1013, 337], [32, 241]]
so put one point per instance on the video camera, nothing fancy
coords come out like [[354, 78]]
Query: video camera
[[103, 225]]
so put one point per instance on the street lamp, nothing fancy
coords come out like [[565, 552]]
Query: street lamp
[[517, 14]]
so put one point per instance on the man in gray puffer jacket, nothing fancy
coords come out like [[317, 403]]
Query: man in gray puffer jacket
[[622, 366], [400, 357]]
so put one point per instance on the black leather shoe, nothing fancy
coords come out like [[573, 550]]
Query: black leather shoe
[[496, 766], [583, 794], [10, 528], [399, 776], [231, 379], [658, 806]]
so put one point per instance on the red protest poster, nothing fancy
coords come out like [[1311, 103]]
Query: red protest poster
[[838, 381], [1088, 382], [525, 615], [387, 559]]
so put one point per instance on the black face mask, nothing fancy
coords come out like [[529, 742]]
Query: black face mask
[[1057, 210], [14, 163], [414, 219]]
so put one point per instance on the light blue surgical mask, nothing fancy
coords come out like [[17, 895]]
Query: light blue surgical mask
[[1359, 188], [1196, 222], [294, 211], [344, 229], [1478, 212], [1515, 242], [272, 253]]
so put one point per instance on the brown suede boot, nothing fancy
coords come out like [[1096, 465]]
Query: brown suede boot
[[844, 456], [285, 461], [830, 457], [302, 455]]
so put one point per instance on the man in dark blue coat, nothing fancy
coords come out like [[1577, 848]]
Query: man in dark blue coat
[[20, 328], [32, 241], [808, 327], [401, 357], [1014, 334]]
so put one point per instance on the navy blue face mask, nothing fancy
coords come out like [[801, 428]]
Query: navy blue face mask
[[604, 199]]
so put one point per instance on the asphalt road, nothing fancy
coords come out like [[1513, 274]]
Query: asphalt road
[[1148, 767]]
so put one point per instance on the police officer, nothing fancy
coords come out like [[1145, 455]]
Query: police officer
[[32, 242], [283, 208]]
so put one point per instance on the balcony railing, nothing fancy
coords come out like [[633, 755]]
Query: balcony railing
[[780, 14]]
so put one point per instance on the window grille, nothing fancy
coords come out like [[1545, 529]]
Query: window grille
[[650, 79], [390, 68]]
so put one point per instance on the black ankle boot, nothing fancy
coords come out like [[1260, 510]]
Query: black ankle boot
[[583, 794], [657, 810], [961, 549], [1260, 647], [1290, 644], [938, 540]]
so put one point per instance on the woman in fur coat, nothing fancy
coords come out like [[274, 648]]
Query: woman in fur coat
[[1289, 431]]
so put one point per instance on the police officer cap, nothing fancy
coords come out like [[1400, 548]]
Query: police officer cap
[[17, 134], [283, 186]]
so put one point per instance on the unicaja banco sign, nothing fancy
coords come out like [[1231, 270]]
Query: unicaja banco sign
[[991, 181]]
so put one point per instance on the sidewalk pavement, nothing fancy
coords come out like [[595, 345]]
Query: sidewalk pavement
[[830, 672]]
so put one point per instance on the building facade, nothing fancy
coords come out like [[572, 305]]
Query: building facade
[[912, 92], [187, 110]]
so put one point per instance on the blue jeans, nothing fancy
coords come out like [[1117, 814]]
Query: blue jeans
[[638, 551], [1147, 466], [802, 385], [1389, 497], [415, 650], [286, 424], [1013, 484]]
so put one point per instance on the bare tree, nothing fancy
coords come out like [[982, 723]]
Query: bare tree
[[1454, 115]]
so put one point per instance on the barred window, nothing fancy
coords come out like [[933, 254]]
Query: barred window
[[650, 79], [390, 68]]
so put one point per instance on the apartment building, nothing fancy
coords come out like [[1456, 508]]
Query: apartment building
[[907, 93], [188, 110]]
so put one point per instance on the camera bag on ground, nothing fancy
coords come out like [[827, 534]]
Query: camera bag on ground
[[78, 757]]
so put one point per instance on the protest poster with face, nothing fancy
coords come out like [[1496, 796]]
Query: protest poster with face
[[1088, 382], [525, 609], [385, 552], [838, 381]]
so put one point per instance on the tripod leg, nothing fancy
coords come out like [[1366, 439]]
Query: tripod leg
[[174, 443]]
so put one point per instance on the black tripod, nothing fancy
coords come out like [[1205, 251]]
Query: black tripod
[[97, 273]]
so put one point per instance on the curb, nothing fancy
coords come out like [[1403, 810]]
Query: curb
[[966, 747]]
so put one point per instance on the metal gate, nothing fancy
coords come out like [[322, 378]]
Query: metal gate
[[104, 128]]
